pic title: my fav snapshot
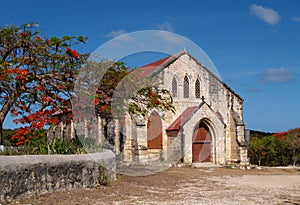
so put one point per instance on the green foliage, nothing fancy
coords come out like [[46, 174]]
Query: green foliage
[[267, 149], [57, 146], [7, 134], [149, 98], [39, 145]]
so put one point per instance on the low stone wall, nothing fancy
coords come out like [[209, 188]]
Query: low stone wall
[[29, 175]]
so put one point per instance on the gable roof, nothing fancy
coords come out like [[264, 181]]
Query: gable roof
[[182, 118], [186, 116], [152, 69], [148, 69], [156, 67]]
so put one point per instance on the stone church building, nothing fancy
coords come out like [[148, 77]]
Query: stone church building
[[207, 126]]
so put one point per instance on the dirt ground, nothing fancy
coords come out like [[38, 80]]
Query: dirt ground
[[189, 186]]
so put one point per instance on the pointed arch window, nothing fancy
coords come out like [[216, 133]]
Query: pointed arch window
[[174, 87], [186, 87], [197, 88]]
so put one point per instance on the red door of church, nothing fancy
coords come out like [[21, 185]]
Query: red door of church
[[201, 148], [154, 131]]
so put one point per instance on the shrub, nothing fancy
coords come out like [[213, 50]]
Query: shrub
[[41, 145], [267, 149]]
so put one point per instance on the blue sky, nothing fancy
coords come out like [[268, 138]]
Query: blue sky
[[255, 45]]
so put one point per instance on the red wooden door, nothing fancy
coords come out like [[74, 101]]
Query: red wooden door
[[201, 148], [154, 131]]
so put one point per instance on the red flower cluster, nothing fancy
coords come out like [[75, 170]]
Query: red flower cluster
[[61, 86], [103, 107], [155, 101], [38, 88], [38, 38], [22, 135], [280, 135], [73, 53], [47, 99], [259, 147], [20, 73], [37, 120], [24, 34], [96, 101]]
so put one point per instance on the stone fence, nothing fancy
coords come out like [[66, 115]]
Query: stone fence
[[33, 175]]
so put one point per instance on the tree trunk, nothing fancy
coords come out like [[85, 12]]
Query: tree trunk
[[3, 114], [4, 110], [294, 156], [1, 131]]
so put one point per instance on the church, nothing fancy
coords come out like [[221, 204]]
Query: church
[[207, 127]]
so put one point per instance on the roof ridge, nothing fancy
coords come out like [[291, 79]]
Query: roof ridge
[[181, 119]]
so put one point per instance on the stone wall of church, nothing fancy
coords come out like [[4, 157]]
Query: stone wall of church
[[216, 94], [174, 145], [221, 98]]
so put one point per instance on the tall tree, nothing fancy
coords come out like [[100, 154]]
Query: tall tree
[[37, 76], [292, 139]]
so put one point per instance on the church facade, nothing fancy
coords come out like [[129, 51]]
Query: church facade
[[208, 124]]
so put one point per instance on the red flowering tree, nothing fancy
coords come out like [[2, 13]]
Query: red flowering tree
[[37, 76], [292, 139]]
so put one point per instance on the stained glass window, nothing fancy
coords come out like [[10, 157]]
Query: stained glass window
[[197, 88], [174, 87], [186, 87]]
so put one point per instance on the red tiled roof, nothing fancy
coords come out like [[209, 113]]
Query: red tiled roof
[[184, 115], [146, 70]]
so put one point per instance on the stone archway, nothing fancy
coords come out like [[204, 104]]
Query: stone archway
[[154, 131], [202, 143]]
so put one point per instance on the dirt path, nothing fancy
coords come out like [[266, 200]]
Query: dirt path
[[189, 186]]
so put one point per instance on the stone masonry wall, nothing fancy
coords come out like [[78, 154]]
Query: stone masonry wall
[[32, 175], [218, 96]]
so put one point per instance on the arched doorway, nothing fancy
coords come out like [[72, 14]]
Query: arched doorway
[[201, 149], [154, 131]]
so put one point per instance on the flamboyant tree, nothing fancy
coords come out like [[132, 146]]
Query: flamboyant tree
[[292, 139], [36, 76]]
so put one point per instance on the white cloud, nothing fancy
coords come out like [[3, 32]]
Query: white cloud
[[275, 75], [167, 25], [296, 18], [116, 33], [268, 15]]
